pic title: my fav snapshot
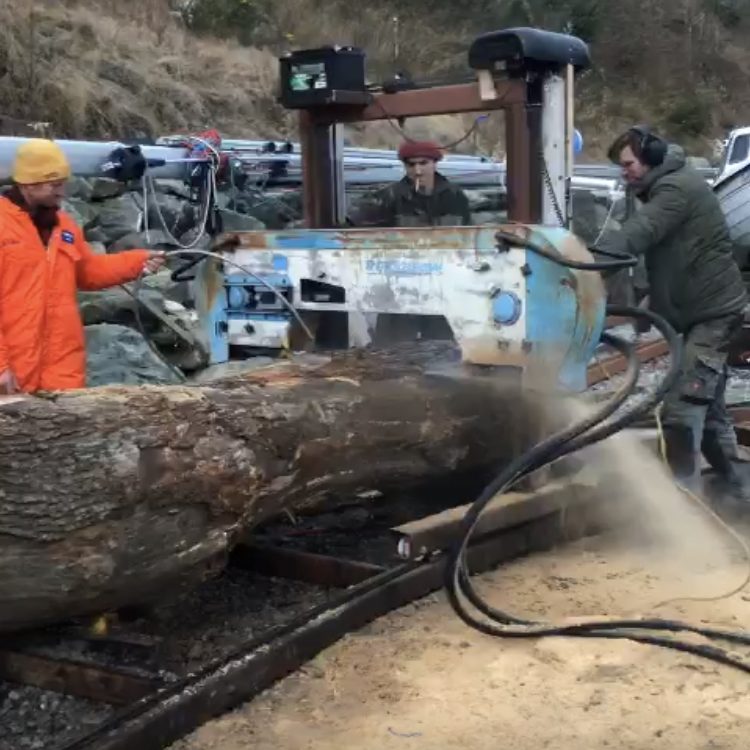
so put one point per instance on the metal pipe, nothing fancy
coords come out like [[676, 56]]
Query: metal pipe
[[569, 129], [87, 157]]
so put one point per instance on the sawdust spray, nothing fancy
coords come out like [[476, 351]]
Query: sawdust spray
[[641, 500]]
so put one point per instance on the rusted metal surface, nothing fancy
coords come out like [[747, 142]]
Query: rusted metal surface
[[438, 100], [297, 565], [74, 678], [743, 433], [318, 185], [520, 182], [740, 414], [615, 364], [412, 239], [318, 176], [434, 533]]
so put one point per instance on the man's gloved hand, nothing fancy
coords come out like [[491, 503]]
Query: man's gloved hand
[[157, 258], [8, 383]]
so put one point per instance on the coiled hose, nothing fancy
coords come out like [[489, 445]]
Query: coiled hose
[[594, 428]]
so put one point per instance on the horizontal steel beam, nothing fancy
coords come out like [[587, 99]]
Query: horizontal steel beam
[[74, 678], [298, 565], [616, 363], [437, 532], [440, 100]]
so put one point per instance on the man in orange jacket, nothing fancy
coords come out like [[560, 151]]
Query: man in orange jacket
[[44, 260]]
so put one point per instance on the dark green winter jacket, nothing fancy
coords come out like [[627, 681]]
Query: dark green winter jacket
[[399, 205], [692, 273]]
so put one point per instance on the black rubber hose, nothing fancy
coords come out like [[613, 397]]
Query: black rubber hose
[[674, 344], [505, 625], [539, 455], [179, 273], [621, 260]]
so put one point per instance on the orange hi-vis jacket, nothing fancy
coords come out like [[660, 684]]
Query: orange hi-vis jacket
[[41, 333]]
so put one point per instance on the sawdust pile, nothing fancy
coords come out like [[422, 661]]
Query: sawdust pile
[[420, 679]]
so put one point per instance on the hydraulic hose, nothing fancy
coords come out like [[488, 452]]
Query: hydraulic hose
[[618, 262], [586, 432]]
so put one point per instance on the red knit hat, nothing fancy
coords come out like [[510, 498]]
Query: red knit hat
[[420, 150]]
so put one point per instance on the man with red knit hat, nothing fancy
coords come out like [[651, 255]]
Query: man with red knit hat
[[423, 197]]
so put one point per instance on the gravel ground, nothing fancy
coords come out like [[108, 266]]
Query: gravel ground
[[224, 614], [32, 719], [209, 624]]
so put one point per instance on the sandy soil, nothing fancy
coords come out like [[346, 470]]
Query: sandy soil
[[420, 679]]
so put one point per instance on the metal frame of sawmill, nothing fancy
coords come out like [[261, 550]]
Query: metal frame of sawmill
[[521, 101]]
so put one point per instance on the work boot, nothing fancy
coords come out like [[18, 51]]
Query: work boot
[[725, 466], [681, 456]]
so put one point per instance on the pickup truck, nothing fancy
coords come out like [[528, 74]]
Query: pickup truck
[[735, 154]]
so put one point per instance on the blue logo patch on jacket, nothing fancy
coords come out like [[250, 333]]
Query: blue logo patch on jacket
[[68, 237]]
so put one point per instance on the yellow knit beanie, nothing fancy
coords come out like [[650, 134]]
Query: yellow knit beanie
[[40, 160]]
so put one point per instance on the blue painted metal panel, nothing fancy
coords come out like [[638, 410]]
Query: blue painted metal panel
[[556, 313], [274, 279]]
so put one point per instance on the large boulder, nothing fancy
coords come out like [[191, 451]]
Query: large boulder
[[173, 187], [120, 355], [168, 212], [78, 187], [589, 217], [153, 239], [119, 216], [231, 221], [164, 316], [83, 212], [103, 188], [276, 209]]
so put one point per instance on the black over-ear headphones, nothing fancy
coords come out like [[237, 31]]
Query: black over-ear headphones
[[652, 149]]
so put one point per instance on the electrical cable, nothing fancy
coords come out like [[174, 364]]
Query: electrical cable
[[587, 431], [447, 146], [218, 256]]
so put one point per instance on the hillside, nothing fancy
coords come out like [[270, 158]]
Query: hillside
[[118, 69]]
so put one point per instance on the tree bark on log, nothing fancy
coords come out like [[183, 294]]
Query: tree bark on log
[[121, 495]]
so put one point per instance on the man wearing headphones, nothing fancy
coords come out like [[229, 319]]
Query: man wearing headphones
[[695, 283]]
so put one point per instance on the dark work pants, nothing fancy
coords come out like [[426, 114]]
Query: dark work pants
[[697, 403]]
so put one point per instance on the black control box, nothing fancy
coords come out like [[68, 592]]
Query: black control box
[[323, 77]]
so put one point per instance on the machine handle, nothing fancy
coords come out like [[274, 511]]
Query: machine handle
[[177, 274]]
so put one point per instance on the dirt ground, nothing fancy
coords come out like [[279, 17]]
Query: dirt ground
[[420, 679]]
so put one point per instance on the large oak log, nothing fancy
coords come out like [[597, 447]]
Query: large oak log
[[122, 495]]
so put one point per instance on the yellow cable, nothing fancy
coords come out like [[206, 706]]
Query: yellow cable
[[704, 507], [711, 514]]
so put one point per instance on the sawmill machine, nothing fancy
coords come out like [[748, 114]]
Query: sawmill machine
[[512, 295]]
